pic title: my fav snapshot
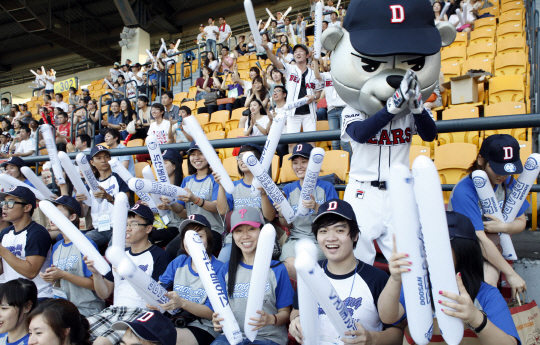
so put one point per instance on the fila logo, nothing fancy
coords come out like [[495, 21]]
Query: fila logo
[[508, 152], [145, 317], [332, 206], [398, 14]]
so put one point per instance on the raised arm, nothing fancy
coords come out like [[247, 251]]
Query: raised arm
[[275, 61]]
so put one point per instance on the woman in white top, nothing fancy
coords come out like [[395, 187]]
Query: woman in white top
[[49, 81], [258, 91], [211, 61], [160, 127], [265, 42], [437, 8], [259, 123], [285, 55]]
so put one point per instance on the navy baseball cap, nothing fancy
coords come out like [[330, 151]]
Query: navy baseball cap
[[15, 161], [172, 155], [20, 192], [460, 226], [150, 326], [143, 211], [302, 150], [192, 146], [255, 146], [97, 149], [68, 201], [336, 206], [194, 219], [502, 153], [381, 28]]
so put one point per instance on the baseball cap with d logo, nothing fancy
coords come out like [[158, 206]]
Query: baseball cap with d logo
[[502, 153]]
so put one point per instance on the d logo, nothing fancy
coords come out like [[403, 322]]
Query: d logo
[[145, 317], [191, 217], [508, 152], [332, 206], [398, 14]]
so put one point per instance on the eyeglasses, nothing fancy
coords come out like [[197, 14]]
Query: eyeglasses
[[240, 157], [132, 225], [11, 203]]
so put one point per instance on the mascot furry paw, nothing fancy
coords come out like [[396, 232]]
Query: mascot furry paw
[[385, 62]]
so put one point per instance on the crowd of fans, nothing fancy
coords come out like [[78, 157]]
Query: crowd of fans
[[52, 294]]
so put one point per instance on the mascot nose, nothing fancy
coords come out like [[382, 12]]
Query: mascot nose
[[394, 80]]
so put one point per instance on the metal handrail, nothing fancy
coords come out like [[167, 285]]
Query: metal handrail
[[101, 106], [36, 89], [136, 95], [10, 96], [447, 126], [72, 116]]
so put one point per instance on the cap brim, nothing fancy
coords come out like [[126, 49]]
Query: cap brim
[[499, 168], [330, 212], [248, 222], [396, 42], [140, 332], [297, 155], [105, 150], [188, 222], [140, 215], [61, 203]]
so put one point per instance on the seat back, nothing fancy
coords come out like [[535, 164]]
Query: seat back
[[509, 30], [191, 104], [192, 92], [231, 166], [336, 162], [510, 64], [450, 69], [221, 116], [202, 118], [482, 50], [485, 22], [179, 97], [494, 10], [507, 88], [525, 150], [139, 168], [465, 111], [234, 133], [215, 135], [455, 155], [237, 113], [512, 5], [511, 16], [504, 108], [482, 35], [286, 174], [275, 168], [417, 150], [476, 63], [456, 54]]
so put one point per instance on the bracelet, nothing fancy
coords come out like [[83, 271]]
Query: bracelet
[[198, 199], [202, 203], [275, 317], [482, 325]]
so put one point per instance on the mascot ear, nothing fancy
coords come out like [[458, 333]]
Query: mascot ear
[[331, 37], [447, 31]]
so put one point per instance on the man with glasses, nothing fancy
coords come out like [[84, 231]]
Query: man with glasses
[[25, 245], [127, 302]]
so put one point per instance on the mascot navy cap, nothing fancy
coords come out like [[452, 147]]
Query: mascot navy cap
[[383, 28], [502, 153]]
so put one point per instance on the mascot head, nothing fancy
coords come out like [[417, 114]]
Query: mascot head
[[380, 40]]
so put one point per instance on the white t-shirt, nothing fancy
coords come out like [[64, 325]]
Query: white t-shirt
[[223, 34], [332, 98], [213, 65], [263, 122], [160, 131], [336, 24], [182, 138], [200, 38], [62, 105], [210, 34], [26, 146], [49, 82]]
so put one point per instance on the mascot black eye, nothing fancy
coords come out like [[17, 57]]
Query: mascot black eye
[[370, 66], [417, 64]]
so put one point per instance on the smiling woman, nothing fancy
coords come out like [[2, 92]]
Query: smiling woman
[[18, 297]]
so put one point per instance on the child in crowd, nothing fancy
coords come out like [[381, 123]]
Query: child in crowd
[[68, 273], [242, 197], [188, 291], [17, 297], [127, 302], [481, 306], [358, 285], [26, 245], [301, 226], [202, 192], [235, 277], [57, 321], [499, 158]]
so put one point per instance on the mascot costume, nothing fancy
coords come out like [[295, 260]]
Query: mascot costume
[[385, 63]]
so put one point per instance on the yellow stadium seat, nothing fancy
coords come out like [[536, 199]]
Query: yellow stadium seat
[[237, 113], [511, 30], [220, 116], [275, 168], [506, 108], [199, 104], [450, 69], [482, 35], [202, 118], [235, 133], [231, 124], [253, 57], [185, 167], [179, 97], [490, 22], [512, 5], [286, 174], [466, 111], [323, 126], [477, 63], [244, 75], [525, 150], [511, 16], [192, 92], [461, 37], [139, 168], [508, 88], [215, 135], [452, 161], [242, 66], [481, 50], [191, 104], [243, 58], [510, 64], [213, 126], [516, 45], [494, 10], [457, 54], [135, 143], [231, 166], [417, 150], [336, 162]]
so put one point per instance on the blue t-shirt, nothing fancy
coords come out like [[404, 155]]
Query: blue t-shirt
[[63, 264], [494, 306], [181, 262], [464, 199], [22, 341], [27, 181]]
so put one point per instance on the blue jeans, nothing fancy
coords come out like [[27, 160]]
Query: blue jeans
[[322, 115], [227, 106], [211, 46], [222, 340], [334, 122]]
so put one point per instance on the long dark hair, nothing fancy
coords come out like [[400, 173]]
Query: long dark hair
[[236, 256], [207, 60], [248, 148], [282, 77], [264, 90], [62, 315], [191, 168], [129, 110], [18, 293], [469, 262], [178, 173]]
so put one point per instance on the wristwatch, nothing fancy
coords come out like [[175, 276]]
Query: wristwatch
[[482, 325]]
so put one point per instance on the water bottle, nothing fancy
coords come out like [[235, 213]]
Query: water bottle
[[179, 134]]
